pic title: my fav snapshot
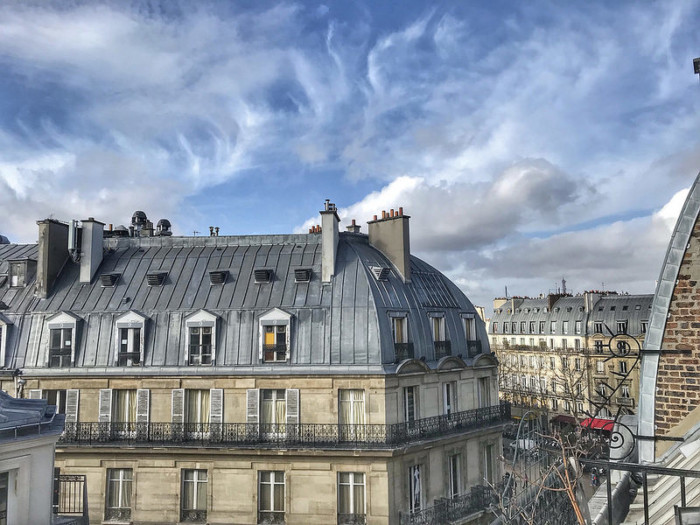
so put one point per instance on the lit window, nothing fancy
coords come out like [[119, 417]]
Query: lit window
[[194, 496], [351, 497], [118, 496], [271, 497]]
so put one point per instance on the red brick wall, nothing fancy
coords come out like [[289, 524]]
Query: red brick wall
[[678, 378]]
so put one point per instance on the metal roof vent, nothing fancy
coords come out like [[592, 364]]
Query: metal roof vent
[[262, 275], [108, 280], [302, 275], [156, 278], [218, 276], [380, 273]]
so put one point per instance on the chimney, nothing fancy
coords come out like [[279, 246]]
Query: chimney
[[329, 240], [354, 227], [53, 254], [91, 249], [590, 299], [498, 302], [390, 235]]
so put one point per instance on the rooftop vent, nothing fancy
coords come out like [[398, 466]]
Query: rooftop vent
[[381, 273], [156, 278], [262, 275], [218, 276], [109, 279], [302, 275]]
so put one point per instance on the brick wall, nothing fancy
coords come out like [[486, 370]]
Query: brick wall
[[678, 378]]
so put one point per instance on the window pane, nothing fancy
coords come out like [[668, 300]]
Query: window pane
[[279, 497]]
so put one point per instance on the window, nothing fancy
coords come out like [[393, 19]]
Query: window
[[484, 392], [532, 341], [566, 387], [624, 308], [600, 366], [553, 327], [577, 344], [533, 384], [555, 404], [495, 328], [124, 406], [505, 328], [625, 391], [522, 341], [541, 327], [273, 409], [579, 407], [645, 325], [4, 327], [489, 457], [455, 488], [470, 327], [449, 398], [579, 389], [551, 343], [564, 344], [513, 327], [565, 363], [399, 329], [565, 327], [118, 494], [522, 327], [351, 497], [410, 404], [577, 327], [554, 386], [351, 414], [60, 347], [552, 363], [56, 398], [532, 327], [622, 327], [275, 336], [543, 385], [623, 367], [271, 496], [598, 346], [612, 308], [602, 390], [200, 345], [197, 409], [567, 405], [532, 361], [201, 333], [598, 327], [415, 490], [193, 498], [129, 338], [577, 364]]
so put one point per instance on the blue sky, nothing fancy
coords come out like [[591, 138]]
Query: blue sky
[[529, 141]]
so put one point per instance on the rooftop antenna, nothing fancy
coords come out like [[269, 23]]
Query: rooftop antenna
[[506, 291], [195, 233], [563, 286], [696, 66]]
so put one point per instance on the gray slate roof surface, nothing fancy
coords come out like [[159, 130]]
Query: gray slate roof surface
[[343, 323]]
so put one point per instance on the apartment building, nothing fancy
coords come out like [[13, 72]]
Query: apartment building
[[571, 357], [328, 377]]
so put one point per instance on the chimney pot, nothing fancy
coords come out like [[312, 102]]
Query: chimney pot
[[400, 211], [353, 222], [392, 212], [374, 218], [383, 214]]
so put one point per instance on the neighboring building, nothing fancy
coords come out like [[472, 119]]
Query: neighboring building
[[328, 377], [555, 353], [29, 430]]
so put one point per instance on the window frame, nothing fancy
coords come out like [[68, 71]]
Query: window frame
[[66, 322], [198, 320], [454, 469], [351, 485], [5, 324], [120, 513], [129, 321], [272, 483], [194, 513], [415, 488]]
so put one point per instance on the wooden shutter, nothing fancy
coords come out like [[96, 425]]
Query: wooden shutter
[[216, 406], [72, 397], [35, 394], [143, 404], [252, 397], [178, 406], [292, 406], [105, 413]]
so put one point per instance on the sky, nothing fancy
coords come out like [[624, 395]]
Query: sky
[[530, 142]]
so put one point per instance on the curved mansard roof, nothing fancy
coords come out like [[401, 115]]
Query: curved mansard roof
[[345, 323]]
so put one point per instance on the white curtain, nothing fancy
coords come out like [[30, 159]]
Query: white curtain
[[198, 406], [124, 406]]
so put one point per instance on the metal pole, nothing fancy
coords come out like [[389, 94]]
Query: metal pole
[[609, 487], [646, 500]]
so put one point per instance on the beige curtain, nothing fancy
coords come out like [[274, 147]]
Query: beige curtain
[[124, 406], [198, 406], [119, 488], [352, 407], [273, 407]]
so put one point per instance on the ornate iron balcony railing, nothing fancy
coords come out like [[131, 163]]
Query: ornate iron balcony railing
[[352, 519], [473, 348], [281, 435], [403, 351], [452, 510], [442, 349], [193, 516]]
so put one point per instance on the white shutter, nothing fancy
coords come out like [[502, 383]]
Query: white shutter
[[292, 406], [178, 406], [72, 397], [105, 413], [35, 394], [252, 397], [143, 402], [216, 406]]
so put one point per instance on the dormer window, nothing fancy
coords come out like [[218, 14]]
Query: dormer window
[[201, 338], [130, 335], [4, 329], [62, 343], [22, 272], [275, 336]]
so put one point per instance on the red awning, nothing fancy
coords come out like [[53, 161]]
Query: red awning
[[598, 423]]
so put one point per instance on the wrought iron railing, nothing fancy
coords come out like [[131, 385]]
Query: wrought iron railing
[[70, 495], [270, 518], [442, 349], [282, 435], [452, 510], [403, 351], [193, 516], [473, 348], [352, 519], [275, 352], [119, 514]]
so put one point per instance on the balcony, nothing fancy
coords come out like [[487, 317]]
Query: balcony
[[352, 519], [276, 352], [625, 401], [473, 348], [442, 349], [270, 518], [403, 351], [302, 435], [452, 510], [193, 516]]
